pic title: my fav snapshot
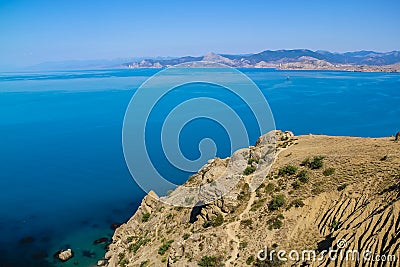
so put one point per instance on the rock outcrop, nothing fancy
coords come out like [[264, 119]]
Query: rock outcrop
[[305, 193]]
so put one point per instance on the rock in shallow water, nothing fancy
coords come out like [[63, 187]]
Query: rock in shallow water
[[64, 255]]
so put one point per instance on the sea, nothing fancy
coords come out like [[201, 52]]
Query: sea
[[64, 182]]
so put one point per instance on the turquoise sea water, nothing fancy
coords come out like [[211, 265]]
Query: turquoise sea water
[[63, 179]]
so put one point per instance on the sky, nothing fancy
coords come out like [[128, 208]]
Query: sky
[[32, 32]]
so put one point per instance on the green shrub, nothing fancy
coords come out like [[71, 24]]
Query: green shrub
[[145, 217], [242, 245], [164, 247], [249, 170], [287, 170], [186, 236], [297, 203], [316, 163], [269, 188], [246, 222], [305, 162], [341, 187], [134, 247], [218, 220], [303, 176], [277, 202], [251, 160], [206, 224], [274, 223], [329, 171], [144, 263], [296, 184], [209, 261], [250, 260], [335, 225]]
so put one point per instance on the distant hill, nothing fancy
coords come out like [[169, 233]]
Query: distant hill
[[290, 59]]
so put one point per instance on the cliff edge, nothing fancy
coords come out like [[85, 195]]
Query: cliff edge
[[321, 193]]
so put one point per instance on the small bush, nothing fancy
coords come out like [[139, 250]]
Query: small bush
[[329, 171], [134, 247], [296, 184], [164, 247], [269, 188], [287, 170], [247, 222], [144, 263], [316, 163], [277, 202], [251, 160], [218, 220], [303, 176], [341, 187], [305, 162], [249, 170], [206, 224], [145, 217], [274, 223], [186, 236], [250, 260], [297, 203], [335, 225], [242, 245], [209, 261]]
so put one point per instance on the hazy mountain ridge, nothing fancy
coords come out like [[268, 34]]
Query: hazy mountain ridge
[[303, 59]]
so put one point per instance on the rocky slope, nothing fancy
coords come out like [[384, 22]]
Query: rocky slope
[[321, 193]]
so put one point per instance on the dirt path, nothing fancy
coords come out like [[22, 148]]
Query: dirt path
[[232, 229]]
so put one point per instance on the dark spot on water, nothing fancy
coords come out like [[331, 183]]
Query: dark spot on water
[[39, 255], [114, 226], [88, 254], [84, 222], [101, 240], [26, 240], [76, 263], [95, 225]]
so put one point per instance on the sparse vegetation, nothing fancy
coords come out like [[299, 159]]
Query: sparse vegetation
[[217, 220], [296, 184], [257, 204], [317, 162], [186, 236], [275, 223], [249, 170], [297, 203], [341, 187], [277, 202], [329, 171], [134, 247], [145, 217], [246, 222], [164, 247], [121, 260], [250, 260], [144, 263], [335, 225], [269, 188], [251, 160], [209, 261], [303, 176], [287, 170]]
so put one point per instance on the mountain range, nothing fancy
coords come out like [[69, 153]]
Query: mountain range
[[289, 59]]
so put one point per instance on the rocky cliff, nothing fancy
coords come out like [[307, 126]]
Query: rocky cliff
[[320, 193]]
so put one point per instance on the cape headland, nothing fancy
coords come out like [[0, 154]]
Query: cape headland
[[322, 193]]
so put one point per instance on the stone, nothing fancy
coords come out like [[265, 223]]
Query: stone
[[64, 255]]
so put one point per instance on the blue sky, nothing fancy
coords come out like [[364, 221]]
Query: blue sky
[[39, 31]]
